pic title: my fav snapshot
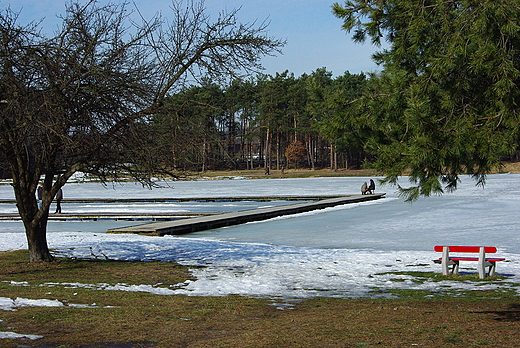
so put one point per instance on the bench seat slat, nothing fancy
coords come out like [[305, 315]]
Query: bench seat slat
[[456, 258], [466, 249]]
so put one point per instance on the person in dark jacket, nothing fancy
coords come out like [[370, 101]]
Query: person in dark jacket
[[371, 186], [59, 198], [39, 192]]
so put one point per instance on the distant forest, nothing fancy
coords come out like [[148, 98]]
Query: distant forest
[[270, 122], [273, 122]]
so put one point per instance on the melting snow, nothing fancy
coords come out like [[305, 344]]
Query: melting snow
[[355, 250]]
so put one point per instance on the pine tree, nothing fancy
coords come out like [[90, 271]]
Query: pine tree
[[446, 101]]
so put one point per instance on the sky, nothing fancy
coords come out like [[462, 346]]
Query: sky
[[313, 34]]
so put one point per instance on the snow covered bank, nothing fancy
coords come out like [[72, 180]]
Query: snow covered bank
[[253, 269], [349, 251]]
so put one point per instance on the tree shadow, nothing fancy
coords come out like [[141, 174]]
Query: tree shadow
[[512, 314]]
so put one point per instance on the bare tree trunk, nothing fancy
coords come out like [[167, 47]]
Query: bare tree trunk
[[37, 241], [310, 152], [295, 125], [35, 220], [331, 156], [174, 144], [277, 150], [249, 156], [267, 151], [204, 156]]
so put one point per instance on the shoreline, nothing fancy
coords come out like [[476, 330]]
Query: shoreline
[[259, 173], [508, 167]]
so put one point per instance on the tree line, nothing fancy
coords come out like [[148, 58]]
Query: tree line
[[269, 122]]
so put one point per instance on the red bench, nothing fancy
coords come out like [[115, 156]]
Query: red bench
[[446, 260]]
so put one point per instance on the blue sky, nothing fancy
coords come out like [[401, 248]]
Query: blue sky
[[313, 34]]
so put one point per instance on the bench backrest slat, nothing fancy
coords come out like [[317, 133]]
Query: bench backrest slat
[[465, 249]]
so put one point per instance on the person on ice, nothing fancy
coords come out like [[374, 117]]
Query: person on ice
[[364, 188], [59, 198], [371, 187], [39, 192]]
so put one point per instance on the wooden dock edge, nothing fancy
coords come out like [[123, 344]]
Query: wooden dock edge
[[184, 226], [184, 199]]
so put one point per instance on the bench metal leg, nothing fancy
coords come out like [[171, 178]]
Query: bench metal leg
[[482, 263], [446, 263], [455, 269], [445, 260], [492, 268]]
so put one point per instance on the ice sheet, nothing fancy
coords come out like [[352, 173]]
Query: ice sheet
[[347, 251]]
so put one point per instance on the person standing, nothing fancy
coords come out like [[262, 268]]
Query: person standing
[[39, 192], [59, 198]]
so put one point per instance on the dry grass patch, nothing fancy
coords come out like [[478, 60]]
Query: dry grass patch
[[276, 174], [15, 266], [123, 319], [259, 173]]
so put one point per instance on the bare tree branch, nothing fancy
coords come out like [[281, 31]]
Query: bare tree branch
[[80, 100]]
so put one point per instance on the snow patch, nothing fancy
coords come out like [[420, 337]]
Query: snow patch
[[8, 304], [12, 335]]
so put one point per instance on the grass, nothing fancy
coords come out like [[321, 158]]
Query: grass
[[259, 173], [421, 277], [275, 174], [121, 319]]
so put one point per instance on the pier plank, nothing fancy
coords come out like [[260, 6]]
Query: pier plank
[[111, 216], [195, 224], [184, 199]]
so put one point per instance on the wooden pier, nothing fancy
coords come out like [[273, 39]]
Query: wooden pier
[[155, 216], [186, 199], [201, 223], [97, 216]]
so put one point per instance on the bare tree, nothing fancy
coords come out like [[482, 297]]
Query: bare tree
[[80, 100]]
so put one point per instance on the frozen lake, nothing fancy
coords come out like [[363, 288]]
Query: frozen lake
[[343, 251]]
